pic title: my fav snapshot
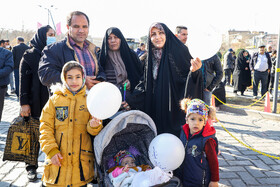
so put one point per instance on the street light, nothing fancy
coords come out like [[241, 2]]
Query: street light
[[49, 15]]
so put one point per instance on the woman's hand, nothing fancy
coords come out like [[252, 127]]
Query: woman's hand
[[56, 159], [195, 64], [213, 184], [94, 122], [25, 110], [125, 105], [127, 84]]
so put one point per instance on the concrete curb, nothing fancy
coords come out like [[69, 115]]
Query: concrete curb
[[265, 115]]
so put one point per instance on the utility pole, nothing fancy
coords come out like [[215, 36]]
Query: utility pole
[[276, 78], [49, 15]]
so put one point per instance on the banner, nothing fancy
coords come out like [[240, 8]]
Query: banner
[[58, 28]]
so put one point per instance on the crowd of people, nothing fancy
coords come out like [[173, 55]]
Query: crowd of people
[[247, 69], [51, 79]]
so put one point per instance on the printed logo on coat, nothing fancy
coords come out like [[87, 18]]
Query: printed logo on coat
[[61, 112], [83, 108], [193, 151]]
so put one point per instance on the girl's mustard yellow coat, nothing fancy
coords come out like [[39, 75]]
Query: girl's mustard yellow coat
[[64, 128]]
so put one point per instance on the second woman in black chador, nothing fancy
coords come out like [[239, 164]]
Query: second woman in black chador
[[170, 75]]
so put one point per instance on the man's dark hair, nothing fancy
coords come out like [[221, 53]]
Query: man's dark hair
[[179, 28], [77, 13], [7, 40], [2, 41]]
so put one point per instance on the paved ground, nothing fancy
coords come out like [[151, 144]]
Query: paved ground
[[239, 166]]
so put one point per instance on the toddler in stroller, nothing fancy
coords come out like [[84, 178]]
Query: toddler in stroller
[[129, 129]]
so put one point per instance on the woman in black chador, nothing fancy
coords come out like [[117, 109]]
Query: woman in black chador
[[120, 63], [170, 75], [242, 74]]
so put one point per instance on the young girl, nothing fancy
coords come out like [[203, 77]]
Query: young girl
[[200, 167], [123, 167], [65, 128]]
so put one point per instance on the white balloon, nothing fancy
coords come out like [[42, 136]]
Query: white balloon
[[104, 100], [167, 152], [203, 41]]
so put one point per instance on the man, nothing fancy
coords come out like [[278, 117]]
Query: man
[[260, 64], [142, 53], [141, 50], [18, 52], [212, 74], [182, 33], [269, 49], [73, 47], [12, 83], [6, 67], [228, 65]]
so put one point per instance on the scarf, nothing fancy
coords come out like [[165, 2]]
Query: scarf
[[119, 67]]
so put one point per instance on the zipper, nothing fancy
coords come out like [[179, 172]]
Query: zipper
[[82, 177], [59, 145]]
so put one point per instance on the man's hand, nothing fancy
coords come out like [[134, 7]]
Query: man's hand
[[25, 110], [91, 81], [56, 159], [195, 64]]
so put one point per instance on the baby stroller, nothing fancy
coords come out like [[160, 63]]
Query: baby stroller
[[131, 128]]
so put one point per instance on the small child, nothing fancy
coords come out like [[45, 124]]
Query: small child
[[123, 167], [65, 130], [200, 167]]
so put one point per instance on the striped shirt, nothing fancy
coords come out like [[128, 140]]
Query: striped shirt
[[84, 57]]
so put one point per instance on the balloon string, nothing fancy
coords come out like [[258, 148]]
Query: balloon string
[[124, 91]]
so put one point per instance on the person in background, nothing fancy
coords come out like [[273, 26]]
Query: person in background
[[74, 47], [6, 67], [260, 64], [242, 73], [18, 52], [228, 65], [272, 73], [11, 76], [141, 50], [32, 94], [269, 49], [142, 53], [182, 33], [212, 74]]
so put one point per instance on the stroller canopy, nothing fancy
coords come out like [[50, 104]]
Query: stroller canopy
[[117, 124]]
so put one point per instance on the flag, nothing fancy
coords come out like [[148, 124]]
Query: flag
[[39, 25], [58, 28]]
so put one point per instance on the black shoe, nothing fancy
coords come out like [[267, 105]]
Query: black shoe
[[32, 175], [13, 91], [7, 95]]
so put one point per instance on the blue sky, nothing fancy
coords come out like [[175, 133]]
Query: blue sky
[[134, 17]]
